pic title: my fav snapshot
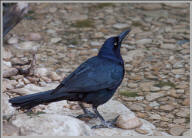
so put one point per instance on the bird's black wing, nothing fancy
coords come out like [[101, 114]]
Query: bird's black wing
[[93, 75]]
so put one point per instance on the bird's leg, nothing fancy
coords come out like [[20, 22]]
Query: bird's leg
[[87, 113], [104, 124]]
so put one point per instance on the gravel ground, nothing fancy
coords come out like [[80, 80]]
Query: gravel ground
[[156, 52]]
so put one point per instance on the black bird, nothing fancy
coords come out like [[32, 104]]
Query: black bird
[[93, 82]]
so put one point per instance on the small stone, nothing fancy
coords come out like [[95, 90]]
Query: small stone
[[154, 89], [120, 26], [95, 43], [7, 109], [151, 6], [7, 63], [183, 113], [144, 41], [55, 40], [165, 88], [41, 72], [26, 81], [179, 121], [132, 85], [178, 71], [186, 102], [13, 40], [155, 116], [52, 9], [177, 130], [42, 84], [173, 93], [153, 96], [141, 131], [9, 72], [154, 104], [167, 107], [10, 130], [141, 115], [19, 61], [54, 76], [34, 37], [169, 46], [136, 107], [186, 133], [126, 122], [20, 84], [180, 91]]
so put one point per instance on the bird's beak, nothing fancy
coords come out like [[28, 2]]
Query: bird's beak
[[122, 35]]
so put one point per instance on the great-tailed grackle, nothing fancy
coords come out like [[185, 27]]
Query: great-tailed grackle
[[93, 82]]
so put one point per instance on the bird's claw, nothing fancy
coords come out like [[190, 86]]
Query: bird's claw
[[87, 115], [107, 124]]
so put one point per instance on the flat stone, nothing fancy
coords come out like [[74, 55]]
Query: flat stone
[[9, 72], [169, 46], [177, 130], [154, 96], [120, 26], [167, 107], [178, 71], [55, 40], [144, 41]]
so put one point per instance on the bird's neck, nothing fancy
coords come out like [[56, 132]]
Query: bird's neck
[[112, 55]]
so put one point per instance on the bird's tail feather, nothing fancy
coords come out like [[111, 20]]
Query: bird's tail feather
[[32, 100]]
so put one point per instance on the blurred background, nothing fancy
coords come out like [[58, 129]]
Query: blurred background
[[156, 52]]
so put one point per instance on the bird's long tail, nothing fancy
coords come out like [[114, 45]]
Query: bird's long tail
[[32, 100]]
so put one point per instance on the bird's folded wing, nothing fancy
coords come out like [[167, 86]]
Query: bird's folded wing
[[91, 78]]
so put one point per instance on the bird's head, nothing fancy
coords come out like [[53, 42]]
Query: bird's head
[[111, 47]]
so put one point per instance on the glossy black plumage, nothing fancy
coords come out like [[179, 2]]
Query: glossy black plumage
[[94, 81]]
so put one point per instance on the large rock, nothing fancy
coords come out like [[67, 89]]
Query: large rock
[[7, 109], [51, 125]]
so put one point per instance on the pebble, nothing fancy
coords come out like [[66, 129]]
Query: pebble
[[34, 37], [144, 41], [136, 107], [168, 46], [54, 76], [95, 43], [183, 113], [9, 72], [13, 40], [178, 71], [153, 96], [141, 131], [167, 107], [179, 121], [155, 89], [55, 40], [186, 102], [177, 130], [126, 122], [120, 26], [155, 116]]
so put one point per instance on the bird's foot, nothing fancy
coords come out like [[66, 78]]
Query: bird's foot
[[87, 115], [107, 124]]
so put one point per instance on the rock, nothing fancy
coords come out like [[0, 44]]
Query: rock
[[167, 107], [177, 130], [178, 71], [7, 63], [34, 37], [7, 54], [136, 107], [54, 76], [141, 131], [179, 121], [51, 125], [55, 40], [186, 102], [154, 104], [131, 55], [177, 5], [186, 133], [151, 6], [155, 116], [154, 89], [9, 72], [13, 40], [132, 85], [120, 26], [10, 130], [169, 46], [7, 109], [28, 46], [183, 113], [95, 43], [144, 41], [127, 122], [153, 96], [8, 84], [41, 72], [20, 83], [52, 9]]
